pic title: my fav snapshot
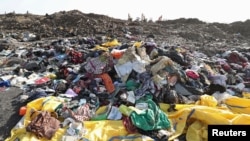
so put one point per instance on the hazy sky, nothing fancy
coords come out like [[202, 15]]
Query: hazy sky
[[223, 11]]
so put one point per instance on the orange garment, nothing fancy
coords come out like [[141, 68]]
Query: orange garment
[[107, 81], [117, 54]]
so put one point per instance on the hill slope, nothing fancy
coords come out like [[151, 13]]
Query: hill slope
[[179, 31]]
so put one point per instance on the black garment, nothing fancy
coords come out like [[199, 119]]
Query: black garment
[[32, 66], [178, 58], [36, 94], [214, 88], [153, 134], [168, 95]]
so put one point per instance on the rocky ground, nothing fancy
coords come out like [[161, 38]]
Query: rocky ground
[[206, 37], [9, 108], [192, 32]]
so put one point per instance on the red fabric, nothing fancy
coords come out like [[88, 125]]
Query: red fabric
[[233, 58], [236, 58], [76, 57], [42, 80], [192, 74], [244, 65], [226, 67], [129, 125]]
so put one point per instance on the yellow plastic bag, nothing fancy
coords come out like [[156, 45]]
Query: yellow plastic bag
[[104, 130], [137, 44], [112, 43], [198, 115], [246, 95], [35, 105], [207, 100], [97, 47], [50, 104], [33, 108], [238, 105], [51, 75], [197, 131], [22, 135], [204, 114]]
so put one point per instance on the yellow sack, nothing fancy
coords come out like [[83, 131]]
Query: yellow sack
[[207, 100], [22, 135], [238, 105], [97, 47], [112, 43], [206, 115], [246, 95], [197, 131], [241, 119], [35, 105], [51, 103], [51, 75], [137, 44], [198, 115], [104, 130]]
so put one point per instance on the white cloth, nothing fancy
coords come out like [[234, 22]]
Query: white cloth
[[220, 97], [219, 79], [126, 68]]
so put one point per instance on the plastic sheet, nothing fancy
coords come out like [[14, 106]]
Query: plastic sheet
[[189, 119]]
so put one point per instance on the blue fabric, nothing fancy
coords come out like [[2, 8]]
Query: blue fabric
[[5, 83], [37, 94]]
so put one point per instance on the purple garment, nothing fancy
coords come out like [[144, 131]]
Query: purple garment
[[147, 85], [70, 93], [218, 79]]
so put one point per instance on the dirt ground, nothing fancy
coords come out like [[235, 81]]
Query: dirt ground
[[9, 111], [188, 32]]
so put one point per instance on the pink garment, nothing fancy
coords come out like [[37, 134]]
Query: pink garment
[[42, 80], [83, 113]]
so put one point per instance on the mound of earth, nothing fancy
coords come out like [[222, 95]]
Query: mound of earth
[[76, 23], [207, 37]]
